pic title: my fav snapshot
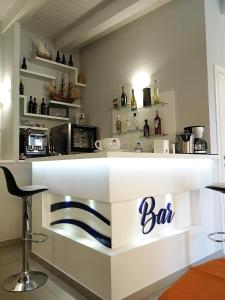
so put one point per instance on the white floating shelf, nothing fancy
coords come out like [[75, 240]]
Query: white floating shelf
[[52, 64], [80, 84], [23, 97], [36, 75], [45, 116], [65, 104], [33, 128]]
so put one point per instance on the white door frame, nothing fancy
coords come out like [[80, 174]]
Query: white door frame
[[217, 71]]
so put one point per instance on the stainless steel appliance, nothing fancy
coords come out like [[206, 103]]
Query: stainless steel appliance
[[185, 143], [33, 143], [71, 138], [200, 145]]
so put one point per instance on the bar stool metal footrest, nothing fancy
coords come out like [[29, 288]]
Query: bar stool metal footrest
[[25, 281], [43, 237], [218, 237]]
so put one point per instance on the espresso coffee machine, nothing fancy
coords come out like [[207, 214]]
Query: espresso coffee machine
[[200, 145], [33, 143]]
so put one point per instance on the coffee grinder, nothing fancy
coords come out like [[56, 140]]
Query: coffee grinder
[[200, 145]]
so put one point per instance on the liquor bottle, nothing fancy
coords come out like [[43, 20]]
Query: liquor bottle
[[43, 107], [30, 106], [138, 148], [133, 102], [147, 97], [115, 99], [34, 106], [81, 120], [21, 88], [157, 123], [146, 128], [71, 61], [135, 121], [118, 124], [57, 59], [63, 60], [24, 65], [156, 92], [123, 97]]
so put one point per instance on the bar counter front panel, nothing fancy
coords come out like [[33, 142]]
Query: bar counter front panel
[[118, 222]]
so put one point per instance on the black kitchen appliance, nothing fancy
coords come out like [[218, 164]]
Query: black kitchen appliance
[[33, 143], [73, 138]]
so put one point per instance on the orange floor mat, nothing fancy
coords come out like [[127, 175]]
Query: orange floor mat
[[204, 282]]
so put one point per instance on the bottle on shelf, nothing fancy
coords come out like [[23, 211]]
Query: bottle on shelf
[[63, 60], [24, 64], [21, 88], [133, 102], [34, 106], [157, 123], [30, 105], [57, 59], [81, 120], [155, 92], [138, 148], [118, 124], [115, 99], [135, 121], [123, 98], [146, 128], [146, 97], [43, 107], [71, 61]]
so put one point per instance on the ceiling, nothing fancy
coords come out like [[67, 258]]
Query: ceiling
[[72, 24], [55, 16], [5, 6]]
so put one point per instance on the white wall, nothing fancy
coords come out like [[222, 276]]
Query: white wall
[[10, 92], [215, 32], [169, 44]]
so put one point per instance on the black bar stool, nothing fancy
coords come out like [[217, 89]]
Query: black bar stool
[[219, 236], [26, 280]]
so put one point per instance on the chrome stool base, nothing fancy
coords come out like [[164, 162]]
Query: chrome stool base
[[218, 237], [24, 282]]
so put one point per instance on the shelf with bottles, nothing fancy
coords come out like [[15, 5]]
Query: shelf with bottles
[[128, 132], [59, 66], [53, 64], [70, 105], [128, 108], [37, 115]]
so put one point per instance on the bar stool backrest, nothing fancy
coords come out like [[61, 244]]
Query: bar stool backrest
[[11, 183]]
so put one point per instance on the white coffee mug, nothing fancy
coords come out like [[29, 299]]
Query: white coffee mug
[[108, 144]]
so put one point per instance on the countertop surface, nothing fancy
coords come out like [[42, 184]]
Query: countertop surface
[[121, 154]]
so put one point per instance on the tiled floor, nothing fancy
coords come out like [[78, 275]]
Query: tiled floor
[[55, 289]]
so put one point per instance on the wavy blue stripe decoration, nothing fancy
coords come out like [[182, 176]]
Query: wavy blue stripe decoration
[[69, 204], [104, 240]]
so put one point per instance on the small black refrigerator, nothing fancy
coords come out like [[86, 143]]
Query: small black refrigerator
[[73, 138]]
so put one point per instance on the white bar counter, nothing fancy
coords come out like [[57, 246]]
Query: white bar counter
[[121, 221]]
